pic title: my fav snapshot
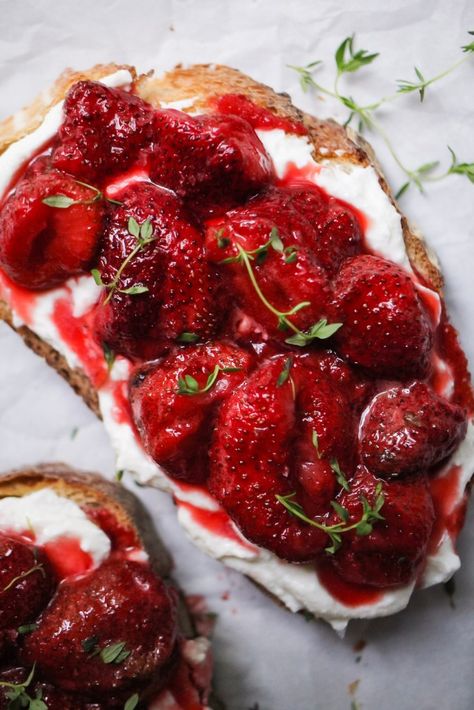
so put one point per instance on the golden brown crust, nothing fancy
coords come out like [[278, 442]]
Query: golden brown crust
[[205, 82], [76, 378]]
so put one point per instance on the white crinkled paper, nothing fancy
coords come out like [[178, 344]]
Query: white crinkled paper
[[421, 659]]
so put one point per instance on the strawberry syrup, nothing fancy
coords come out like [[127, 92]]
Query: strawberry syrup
[[352, 595]]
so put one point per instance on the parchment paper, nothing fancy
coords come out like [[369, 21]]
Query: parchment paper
[[421, 659]]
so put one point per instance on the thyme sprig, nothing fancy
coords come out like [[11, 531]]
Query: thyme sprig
[[38, 567], [348, 61], [112, 653], [362, 527], [18, 696], [143, 234], [188, 384], [320, 330], [61, 201]]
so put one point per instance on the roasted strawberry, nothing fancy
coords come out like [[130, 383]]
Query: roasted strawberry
[[8, 639], [392, 552], [42, 245], [409, 429], [214, 160], [106, 633], [305, 214], [385, 326], [357, 388], [259, 453], [174, 401], [26, 582], [177, 291], [270, 272], [103, 130], [325, 439]]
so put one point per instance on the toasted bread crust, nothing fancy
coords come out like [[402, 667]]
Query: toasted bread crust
[[205, 82]]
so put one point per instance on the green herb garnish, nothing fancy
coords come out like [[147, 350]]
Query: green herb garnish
[[189, 385], [132, 702], [63, 201], [347, 61], [27, 629], [39, 567], [320, 330], [143, 234], [109, 356], [19, 698], [364, 526], [340, 477], [187, 338], [114, 653], [285, 373]]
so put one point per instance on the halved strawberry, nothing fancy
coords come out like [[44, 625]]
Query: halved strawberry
[[178, 292], [391, 554], [122, 610], [409, 429], [42, 245], [213, 160], [174, 418], [26, 582], [280, 434], [103, 130], [324, 440], [279, 273], [385, 326]]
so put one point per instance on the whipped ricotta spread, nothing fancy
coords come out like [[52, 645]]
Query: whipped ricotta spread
[[297, 586], [51, 517]]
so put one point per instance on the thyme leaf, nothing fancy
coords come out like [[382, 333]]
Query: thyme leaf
[[188, 385]]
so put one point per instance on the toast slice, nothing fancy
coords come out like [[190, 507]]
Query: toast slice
[[194, 89], [92, 494]]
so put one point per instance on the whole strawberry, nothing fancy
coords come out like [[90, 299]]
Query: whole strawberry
[[49, 228], [213, 160], [26, 582], [108, 632], [174, 403], [158, 284], [409, 430], [392, 552], [102, 132], [386, 328]]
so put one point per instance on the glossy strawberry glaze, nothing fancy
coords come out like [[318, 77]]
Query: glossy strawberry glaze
[[74, 332], [67, 558], [449, 363], [450, 509], [216, 521], [258, 117]]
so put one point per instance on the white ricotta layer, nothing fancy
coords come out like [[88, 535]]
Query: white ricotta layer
[[51, 517], [297, 586]]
